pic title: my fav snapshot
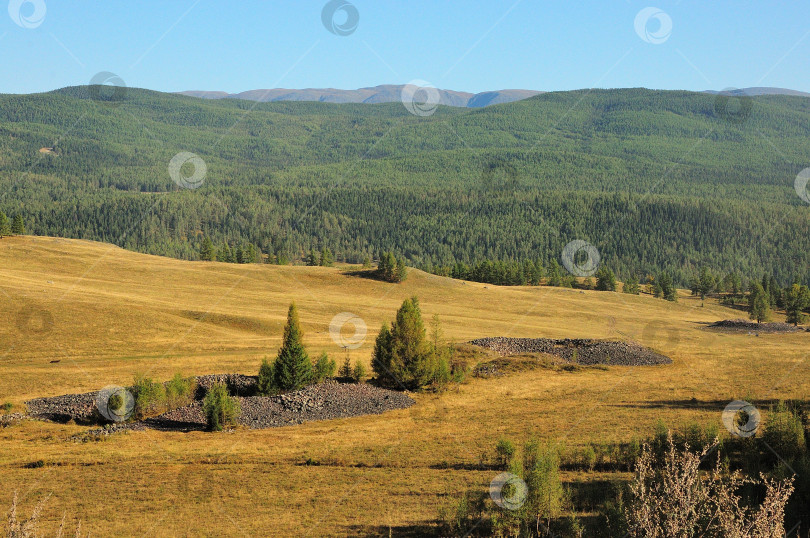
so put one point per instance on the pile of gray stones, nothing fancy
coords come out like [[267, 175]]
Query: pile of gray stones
[[578, 351], [327, 400]]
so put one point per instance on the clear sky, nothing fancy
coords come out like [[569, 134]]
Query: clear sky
[[469, 45]]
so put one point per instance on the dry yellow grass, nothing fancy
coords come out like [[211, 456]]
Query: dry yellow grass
[[105, 313]]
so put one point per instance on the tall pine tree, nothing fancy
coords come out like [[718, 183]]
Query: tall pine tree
[[760, 303], [207, 252], [292, 368], [18, 226], [5, 225]]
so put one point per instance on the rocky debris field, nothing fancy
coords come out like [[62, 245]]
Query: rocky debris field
[[323, 401], [744, 325], [327, 400], [238, 384], [80, 408], [579, 351]]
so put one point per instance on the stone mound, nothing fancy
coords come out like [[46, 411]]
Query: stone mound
[[327, 400], [579, 351], [744, 325]]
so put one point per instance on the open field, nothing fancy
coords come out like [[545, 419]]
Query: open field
[[105, 313]]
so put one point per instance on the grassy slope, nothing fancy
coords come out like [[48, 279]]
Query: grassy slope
[[116, 312]]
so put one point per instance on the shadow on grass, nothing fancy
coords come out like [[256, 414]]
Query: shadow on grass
[[693, 403], [418, 529]]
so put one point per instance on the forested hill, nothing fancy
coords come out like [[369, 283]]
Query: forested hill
[[657, 180]]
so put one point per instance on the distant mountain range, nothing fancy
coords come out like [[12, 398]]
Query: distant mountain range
[[378, 94], [760, 90], [392, 92]]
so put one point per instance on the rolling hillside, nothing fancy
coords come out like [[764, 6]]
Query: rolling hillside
[[657, 180], [79, 315]]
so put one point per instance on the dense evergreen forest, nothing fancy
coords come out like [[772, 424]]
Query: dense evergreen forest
[[656, 180]]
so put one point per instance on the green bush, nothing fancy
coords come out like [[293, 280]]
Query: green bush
[[267, 378], [219, 408], [589, 457], [180, 391], [359, 372], [504, 452], [324, 368], [150, 397], [784, 433], [6, 407]]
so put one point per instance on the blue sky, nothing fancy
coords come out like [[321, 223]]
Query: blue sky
[[173, 45]]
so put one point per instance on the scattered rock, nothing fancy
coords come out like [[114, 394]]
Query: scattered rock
[[323, 401], [744, 325], [579, 351]]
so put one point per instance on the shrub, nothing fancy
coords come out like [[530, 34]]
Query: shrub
[[504, 452], [6, 407], [267, 378], [359, 372], [589, 458], [784, 433], [150, 397], [324, 368], [672, 499], [346, 369], [180, 391], [219, 408]]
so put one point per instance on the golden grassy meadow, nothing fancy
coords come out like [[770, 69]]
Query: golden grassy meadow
[[78, 315]]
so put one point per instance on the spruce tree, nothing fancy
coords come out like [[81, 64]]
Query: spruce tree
[[327, 260], [403, 357], [631, 285], [760, 303], [554, 274], [292, 368], [5, 225], [18, 226], [797, 299], [605, 279], [207, 250], [705, 283], [312, 258]]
